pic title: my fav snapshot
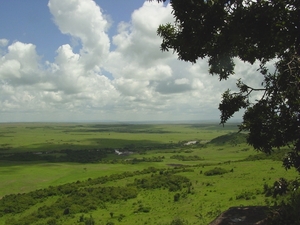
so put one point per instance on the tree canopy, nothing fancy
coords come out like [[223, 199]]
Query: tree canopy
[[254, 31]]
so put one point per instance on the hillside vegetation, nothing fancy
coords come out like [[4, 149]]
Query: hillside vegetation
[[71, 174]]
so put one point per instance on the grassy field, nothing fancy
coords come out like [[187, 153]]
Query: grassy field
[[157, 146], [16, 137]]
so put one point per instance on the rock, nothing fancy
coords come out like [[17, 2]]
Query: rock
[[250, 215]]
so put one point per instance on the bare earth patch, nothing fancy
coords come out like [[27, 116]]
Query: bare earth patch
[[250, 215]]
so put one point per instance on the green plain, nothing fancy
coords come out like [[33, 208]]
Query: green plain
[[216, 146]]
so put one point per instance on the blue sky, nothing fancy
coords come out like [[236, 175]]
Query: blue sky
[[85, 60], [31, 22]]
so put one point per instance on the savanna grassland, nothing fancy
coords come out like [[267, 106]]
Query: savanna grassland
[[70, 173]]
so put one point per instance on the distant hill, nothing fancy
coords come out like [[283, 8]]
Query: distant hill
[[231, 138]]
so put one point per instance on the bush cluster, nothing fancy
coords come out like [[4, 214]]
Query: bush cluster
[[86, 196], [215, 171], [169, 181]]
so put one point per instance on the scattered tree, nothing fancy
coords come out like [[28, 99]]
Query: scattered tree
[[176, 197]]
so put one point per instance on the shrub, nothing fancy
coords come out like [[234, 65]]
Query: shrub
[[176, 197], [247, 195], [178, 222], [143, 209], [288, 212], [110, 223], [215, 171], [51, 221]]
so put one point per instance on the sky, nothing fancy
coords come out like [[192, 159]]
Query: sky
[[89, 61]]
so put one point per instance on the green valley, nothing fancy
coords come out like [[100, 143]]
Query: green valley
[[106, 174]]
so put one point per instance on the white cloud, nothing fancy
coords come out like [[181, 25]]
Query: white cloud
[[73, 83], [3, 42], [20, 65], [182, 81], [137, 40], [145, 83], [83, 19]]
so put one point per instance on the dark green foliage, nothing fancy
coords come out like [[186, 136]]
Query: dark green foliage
[[231, 138], [263, 31], [110, 223], [142, 209], [222, 30], [52, 221], [179, 221], [247, 195], [121, 217], [286, 197], [176, 197], [11, 221], [81, 218], [281, 187], [84, 156], [215, 171], [75, 199], [287, 213], [145, 159], [86, 196], [170, 181], [89, 221], [67, 155], [82, 201], [16, 203], [86, 220]]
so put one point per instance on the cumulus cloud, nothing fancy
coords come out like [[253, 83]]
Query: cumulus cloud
[[137, 39], [143, 83], [84, 20], [70, 85], [20, 65], [158, 77]]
